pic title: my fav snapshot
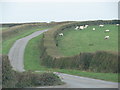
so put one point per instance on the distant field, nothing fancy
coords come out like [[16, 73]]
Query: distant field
[[75, 41]]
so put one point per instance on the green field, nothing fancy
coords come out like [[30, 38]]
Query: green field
[[75, 41], [32, 62]]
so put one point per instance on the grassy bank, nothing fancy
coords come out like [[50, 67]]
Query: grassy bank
[[3, 28], [6, 44], [32, 62]]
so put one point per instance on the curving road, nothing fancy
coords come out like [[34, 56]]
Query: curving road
[[16, 56], [16, 53]]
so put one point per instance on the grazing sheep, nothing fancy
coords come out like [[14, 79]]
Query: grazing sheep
[[93, 28], [117, 24], [77, 28], [106, 30], [106, 37], [86, 26], [101, 25], [61, 34], [81, 27]]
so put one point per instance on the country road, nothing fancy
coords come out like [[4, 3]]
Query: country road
[[16, 56], [16, 53]]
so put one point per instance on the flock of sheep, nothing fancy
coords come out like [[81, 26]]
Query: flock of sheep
[[85, 26]]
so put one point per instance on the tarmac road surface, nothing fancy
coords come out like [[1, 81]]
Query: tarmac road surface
[[16, 53]]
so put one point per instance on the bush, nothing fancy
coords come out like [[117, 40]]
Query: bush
[[12, 79], [8, 75], [104, 62]]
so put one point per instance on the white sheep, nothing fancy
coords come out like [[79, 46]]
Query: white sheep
[[107, 30], [81, 27], [77, 28], [86, 26], [61, 34], [93, 28], [101, 25], [106, 37], [117, 24]]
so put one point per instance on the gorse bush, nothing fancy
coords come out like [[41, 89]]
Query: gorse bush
[[104, 62], [28, 79], [8, 75], [100, 61], [12, 79]]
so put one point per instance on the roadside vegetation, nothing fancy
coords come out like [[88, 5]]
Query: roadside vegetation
[[33, 62], [13, 79]]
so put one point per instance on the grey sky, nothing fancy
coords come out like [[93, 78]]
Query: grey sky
[[57, 11]]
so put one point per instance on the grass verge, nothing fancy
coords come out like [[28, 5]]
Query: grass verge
[[32, 62]]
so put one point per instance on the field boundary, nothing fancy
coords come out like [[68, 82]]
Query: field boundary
[[100, 61]]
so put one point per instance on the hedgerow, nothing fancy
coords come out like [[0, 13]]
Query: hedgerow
[[13, 79], [100, 61]]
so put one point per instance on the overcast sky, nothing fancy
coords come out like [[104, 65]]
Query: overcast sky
[[57, 11]]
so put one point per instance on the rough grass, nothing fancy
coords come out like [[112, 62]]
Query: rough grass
[[75, 41], [32, 54], [32, 62], [6, 44], [3, 28]]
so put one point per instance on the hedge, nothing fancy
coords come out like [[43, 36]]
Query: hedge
[[13, 79], [100, 61]]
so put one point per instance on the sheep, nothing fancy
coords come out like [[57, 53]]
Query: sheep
[[101, 25], [106, 37], [81, 27], [93, 28], [77, 28], [117, 24], [86, 26], [60, 34], [106, 30]]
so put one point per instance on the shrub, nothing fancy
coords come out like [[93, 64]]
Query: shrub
[[13, 79], [104, 62], [8, 75]]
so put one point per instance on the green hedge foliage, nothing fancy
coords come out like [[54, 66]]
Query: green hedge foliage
[[13, 79]]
